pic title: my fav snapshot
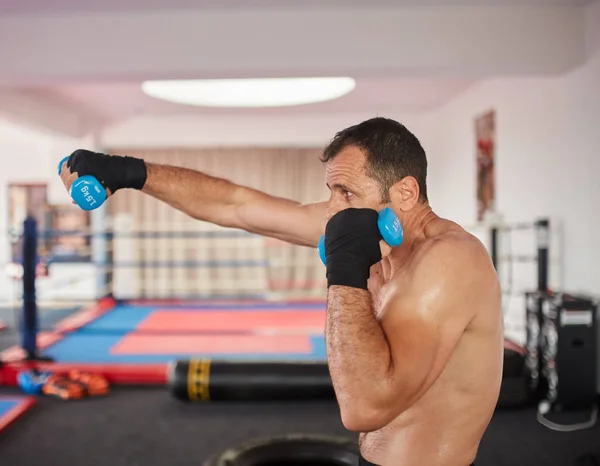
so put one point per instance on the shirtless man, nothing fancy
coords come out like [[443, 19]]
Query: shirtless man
[[415, 333]]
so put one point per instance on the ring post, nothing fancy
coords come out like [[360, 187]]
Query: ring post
[[30, 322]]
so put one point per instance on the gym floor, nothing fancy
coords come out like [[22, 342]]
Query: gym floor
[[146, 425], [135, 426]]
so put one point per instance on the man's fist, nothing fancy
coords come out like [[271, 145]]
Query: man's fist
[[352, 246], [114, 172]]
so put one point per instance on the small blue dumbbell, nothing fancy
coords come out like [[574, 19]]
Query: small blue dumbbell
[[86, 191], [390, 229]]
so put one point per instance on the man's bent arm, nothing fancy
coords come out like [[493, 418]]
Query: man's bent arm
[[358, 355], [381, 367], [224, 203]]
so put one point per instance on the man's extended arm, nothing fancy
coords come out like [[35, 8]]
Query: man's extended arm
[[224, 203], [203, 197], [380, 366]]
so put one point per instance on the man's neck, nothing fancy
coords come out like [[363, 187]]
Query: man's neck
[[415, 224], [414, 227]]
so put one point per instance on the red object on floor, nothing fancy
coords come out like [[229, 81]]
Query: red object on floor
[[212, 344], [277, 320], [115, 374], [22, 405], [3, 325]]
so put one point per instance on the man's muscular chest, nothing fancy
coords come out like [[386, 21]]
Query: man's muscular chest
[[379, 284]]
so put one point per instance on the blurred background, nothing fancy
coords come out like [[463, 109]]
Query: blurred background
[[503, 95], [520, 78]]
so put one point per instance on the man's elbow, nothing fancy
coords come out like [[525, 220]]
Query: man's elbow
[[362, 417]]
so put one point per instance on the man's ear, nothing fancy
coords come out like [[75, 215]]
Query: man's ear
[[405, 193]]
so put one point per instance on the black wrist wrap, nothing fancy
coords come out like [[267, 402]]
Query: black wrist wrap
[[342, 270], [352, 247], [114, 172]]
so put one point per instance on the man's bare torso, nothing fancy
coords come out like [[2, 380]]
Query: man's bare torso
[[445, 425]]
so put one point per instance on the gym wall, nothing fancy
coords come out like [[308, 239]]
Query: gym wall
[[546, 156], [254, 128], [547, 164], [288, 272]]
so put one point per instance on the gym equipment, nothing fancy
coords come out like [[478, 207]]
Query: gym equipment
[[390, 229], [533, 359], [63, 388], [33, 381], [92, 383], [568, 350], [87, 192], [290, 450], [114, 374], [205, 380], [562, 356], [74, 385]]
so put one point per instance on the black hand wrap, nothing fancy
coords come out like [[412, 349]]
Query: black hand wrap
[[352, 247], [114, 172]]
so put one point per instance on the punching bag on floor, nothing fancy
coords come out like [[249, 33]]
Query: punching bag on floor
[[203, 380]]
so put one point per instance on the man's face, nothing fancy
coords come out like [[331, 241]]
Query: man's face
[[349, 184]]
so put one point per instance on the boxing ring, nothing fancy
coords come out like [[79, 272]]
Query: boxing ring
[[112, 332], [146, 317], [240, 335], [247, 297], [241, 298]]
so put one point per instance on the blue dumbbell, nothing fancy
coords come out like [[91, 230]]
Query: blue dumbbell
[[390, 229], [86, 191]]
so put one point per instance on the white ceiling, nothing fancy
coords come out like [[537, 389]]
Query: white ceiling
[[118, 101], [88, 6], [67, 68]]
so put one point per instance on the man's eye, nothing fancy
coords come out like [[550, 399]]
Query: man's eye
[[348, 194]]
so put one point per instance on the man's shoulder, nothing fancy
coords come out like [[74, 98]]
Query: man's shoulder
[[452, 271], [453, 254], [454, 243]]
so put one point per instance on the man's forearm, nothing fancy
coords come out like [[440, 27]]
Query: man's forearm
[[357, 350], [199, 195]]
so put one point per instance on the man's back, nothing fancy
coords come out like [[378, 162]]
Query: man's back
[[445, 426]]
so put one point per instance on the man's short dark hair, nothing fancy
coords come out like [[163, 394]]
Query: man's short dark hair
[[392, 153]]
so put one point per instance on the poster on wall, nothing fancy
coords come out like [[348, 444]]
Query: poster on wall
[[485, 135], [27, 200]]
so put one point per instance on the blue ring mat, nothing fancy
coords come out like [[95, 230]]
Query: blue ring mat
[[8, 404], [89, 344]]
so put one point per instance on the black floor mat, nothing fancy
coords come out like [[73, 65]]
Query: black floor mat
[[147, 427]]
